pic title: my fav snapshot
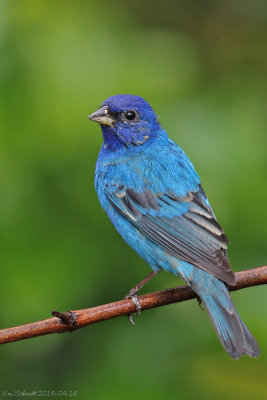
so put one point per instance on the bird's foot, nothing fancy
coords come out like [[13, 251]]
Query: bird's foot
[[200, 303], [133, 296]]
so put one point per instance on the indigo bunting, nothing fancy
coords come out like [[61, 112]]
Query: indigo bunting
[[154, 198]]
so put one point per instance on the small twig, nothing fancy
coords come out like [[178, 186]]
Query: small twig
[[81, 318], [67, 317]]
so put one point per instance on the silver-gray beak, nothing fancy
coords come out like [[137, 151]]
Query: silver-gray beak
[[102, 116]]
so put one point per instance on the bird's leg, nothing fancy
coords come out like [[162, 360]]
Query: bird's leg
[[133, 294]]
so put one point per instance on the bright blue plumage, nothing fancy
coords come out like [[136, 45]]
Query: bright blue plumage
[[153, 196]]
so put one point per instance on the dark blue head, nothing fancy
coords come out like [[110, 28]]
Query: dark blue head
[[126, 120]]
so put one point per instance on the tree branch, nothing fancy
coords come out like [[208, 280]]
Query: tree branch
[[80, 318]]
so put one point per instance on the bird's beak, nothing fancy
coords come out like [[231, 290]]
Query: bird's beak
[[102, 116]]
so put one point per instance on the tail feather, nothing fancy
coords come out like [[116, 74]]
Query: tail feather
[[231, 330]]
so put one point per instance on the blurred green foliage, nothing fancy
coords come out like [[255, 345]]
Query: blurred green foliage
[[201, 66]]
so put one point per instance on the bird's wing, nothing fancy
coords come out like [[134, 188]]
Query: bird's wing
[[185, 227]]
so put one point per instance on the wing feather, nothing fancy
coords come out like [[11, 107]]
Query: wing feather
[[185, 227]]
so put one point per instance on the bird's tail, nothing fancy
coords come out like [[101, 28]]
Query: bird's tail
[[231, 330]]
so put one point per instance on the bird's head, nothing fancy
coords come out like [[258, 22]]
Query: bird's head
[[126, 120]]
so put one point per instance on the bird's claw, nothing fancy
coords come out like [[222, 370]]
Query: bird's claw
[[135, 300], [131, 319], [133, 296]]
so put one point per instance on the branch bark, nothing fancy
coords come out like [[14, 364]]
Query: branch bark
[[81, 318]]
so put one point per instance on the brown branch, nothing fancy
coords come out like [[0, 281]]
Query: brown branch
[[81, 318]]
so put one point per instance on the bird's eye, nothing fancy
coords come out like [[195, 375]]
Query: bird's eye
[[130, 115]]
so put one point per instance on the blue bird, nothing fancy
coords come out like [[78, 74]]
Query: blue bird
[[154, 198]]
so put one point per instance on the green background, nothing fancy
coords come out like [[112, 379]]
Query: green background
[[201, 66]]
